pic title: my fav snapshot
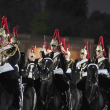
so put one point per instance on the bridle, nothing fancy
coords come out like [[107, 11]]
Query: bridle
[[47, 79]]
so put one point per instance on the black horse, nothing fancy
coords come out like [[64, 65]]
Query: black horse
[[48, 96], [29, 94], [29, 98], [94, 98], [6, 99]]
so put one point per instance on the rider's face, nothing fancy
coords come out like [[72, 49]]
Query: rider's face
[[67, 56], [99, 53], [40, 54], [54, 48], [82, 56], [32, 58]]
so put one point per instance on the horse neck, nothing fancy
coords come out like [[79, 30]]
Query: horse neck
[[91, 90], [46, 89]]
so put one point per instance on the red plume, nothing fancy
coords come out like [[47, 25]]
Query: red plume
[[86, 45], [32, 49], [15, 32], [63, 42], [5, 26], [45, 45], [49, 48], [56, 35], [68, 47], [101, 42]]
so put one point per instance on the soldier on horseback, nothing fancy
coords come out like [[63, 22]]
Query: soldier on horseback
[[82, 62], [9, 56], [104, 69], [69, 61], [42, 52], [31, 64], [59, 62]]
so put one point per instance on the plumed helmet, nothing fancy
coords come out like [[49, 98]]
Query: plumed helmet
[[85, 50], [67, 52], [100, 46], [4, 31], [32, 53], [56, 39], [63, 45], [44, 47], [14, 39]]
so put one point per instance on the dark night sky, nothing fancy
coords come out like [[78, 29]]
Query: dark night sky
[[102, 5]]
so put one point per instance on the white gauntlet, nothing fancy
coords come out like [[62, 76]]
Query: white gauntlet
[[6, 67]]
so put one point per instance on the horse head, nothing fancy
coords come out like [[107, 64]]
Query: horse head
[[47, 69], [33, 71], [46, 78], [92, 72]]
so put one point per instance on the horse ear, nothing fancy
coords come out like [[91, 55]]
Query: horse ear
[[89, 61], [51, 55], [43, 55]]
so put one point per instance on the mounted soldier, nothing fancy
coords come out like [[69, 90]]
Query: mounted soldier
[[69, 61], [20, 66], [82, 62], [59, 64], [31, 64], [9, 56], [42, 52], [104, 69]]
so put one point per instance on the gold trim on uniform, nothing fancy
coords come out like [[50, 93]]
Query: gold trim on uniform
[[71, 60], [4, 54]]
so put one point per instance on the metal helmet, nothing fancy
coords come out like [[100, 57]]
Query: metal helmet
[[14, 39], [4, 31], [32, 53], [100, 45], [54, 42], [83, 51], [99, 48], [44, 47], [67, 52]]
